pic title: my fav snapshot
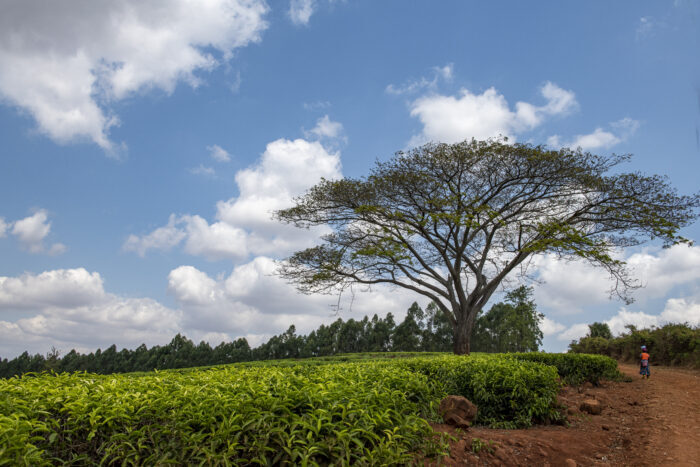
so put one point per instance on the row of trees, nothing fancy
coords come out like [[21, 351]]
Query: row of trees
[[509, 326]]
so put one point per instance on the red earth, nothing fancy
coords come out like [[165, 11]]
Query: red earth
[[650, 422]]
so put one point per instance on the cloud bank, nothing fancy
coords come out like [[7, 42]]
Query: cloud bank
[[64, 63]]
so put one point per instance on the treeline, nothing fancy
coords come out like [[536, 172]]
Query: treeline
[[507, 327], [672, 344]]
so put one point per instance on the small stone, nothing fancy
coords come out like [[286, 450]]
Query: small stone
[[605, 428], [570, 463]]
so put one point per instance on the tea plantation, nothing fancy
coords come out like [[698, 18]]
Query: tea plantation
[[362, 411]]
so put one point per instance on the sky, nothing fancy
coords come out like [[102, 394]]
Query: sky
[[145, 145]]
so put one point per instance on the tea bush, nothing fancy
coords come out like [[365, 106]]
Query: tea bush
[[346, 413], [359, 412], [574, 369], [508, 393]]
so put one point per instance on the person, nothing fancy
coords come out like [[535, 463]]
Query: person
[[644, 363]]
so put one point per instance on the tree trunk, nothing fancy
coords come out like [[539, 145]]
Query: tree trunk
[[462, 338]]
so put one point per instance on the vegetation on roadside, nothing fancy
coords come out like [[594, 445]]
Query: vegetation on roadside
[[671, 344]]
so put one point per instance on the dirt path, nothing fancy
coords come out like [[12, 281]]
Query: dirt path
[[671, 401], [654, 422]]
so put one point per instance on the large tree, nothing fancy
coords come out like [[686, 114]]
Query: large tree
[[453, 221]]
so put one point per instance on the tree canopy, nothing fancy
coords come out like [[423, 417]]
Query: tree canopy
[[453, 221]]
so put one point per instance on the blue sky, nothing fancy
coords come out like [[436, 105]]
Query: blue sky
[[145, 143]]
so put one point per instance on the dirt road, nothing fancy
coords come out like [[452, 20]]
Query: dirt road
[[654, 422], [671, 423]]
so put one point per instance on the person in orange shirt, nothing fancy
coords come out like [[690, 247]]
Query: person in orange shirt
[[644, 363]]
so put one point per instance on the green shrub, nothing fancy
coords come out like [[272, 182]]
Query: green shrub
[[574, 369], [508, 393]]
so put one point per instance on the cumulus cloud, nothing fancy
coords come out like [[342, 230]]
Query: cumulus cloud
[[163, 238], [65, 63], [550, 327], [253, 300], [326, 128], [70, 309], [599, 138], [31, 232], [412, 86], [243, 224], [218, 153], [450, 119], [569, 286], [61, 288]]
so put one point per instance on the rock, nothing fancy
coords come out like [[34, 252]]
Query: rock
[[571, 411], [605, 428], [570, 463], [457, 411], [591, 406]]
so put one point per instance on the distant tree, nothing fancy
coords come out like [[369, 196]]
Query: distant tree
[[453, 221], [510, 327], [438, 332], [599, 330], [407, 335]]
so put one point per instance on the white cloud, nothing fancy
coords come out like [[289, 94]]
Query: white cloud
[[568, 287], [214, 241], [72, 310], [31, 232], [682, 310], [243, 223], [550, 327], [677, 310], [203, 170], [163, 238], [637, 318], [445, 73], [61, 288], [599, 138], [576, 331], [300, 11], [218, 153], [65, 62], [254, 300], [660, 270], [3, 227], [450, 119], [326, 128]]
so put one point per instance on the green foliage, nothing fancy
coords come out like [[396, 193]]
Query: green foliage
[[508, 393], [599, 330], [671, 344], [351, 414], [509, 327], [574, 369]]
